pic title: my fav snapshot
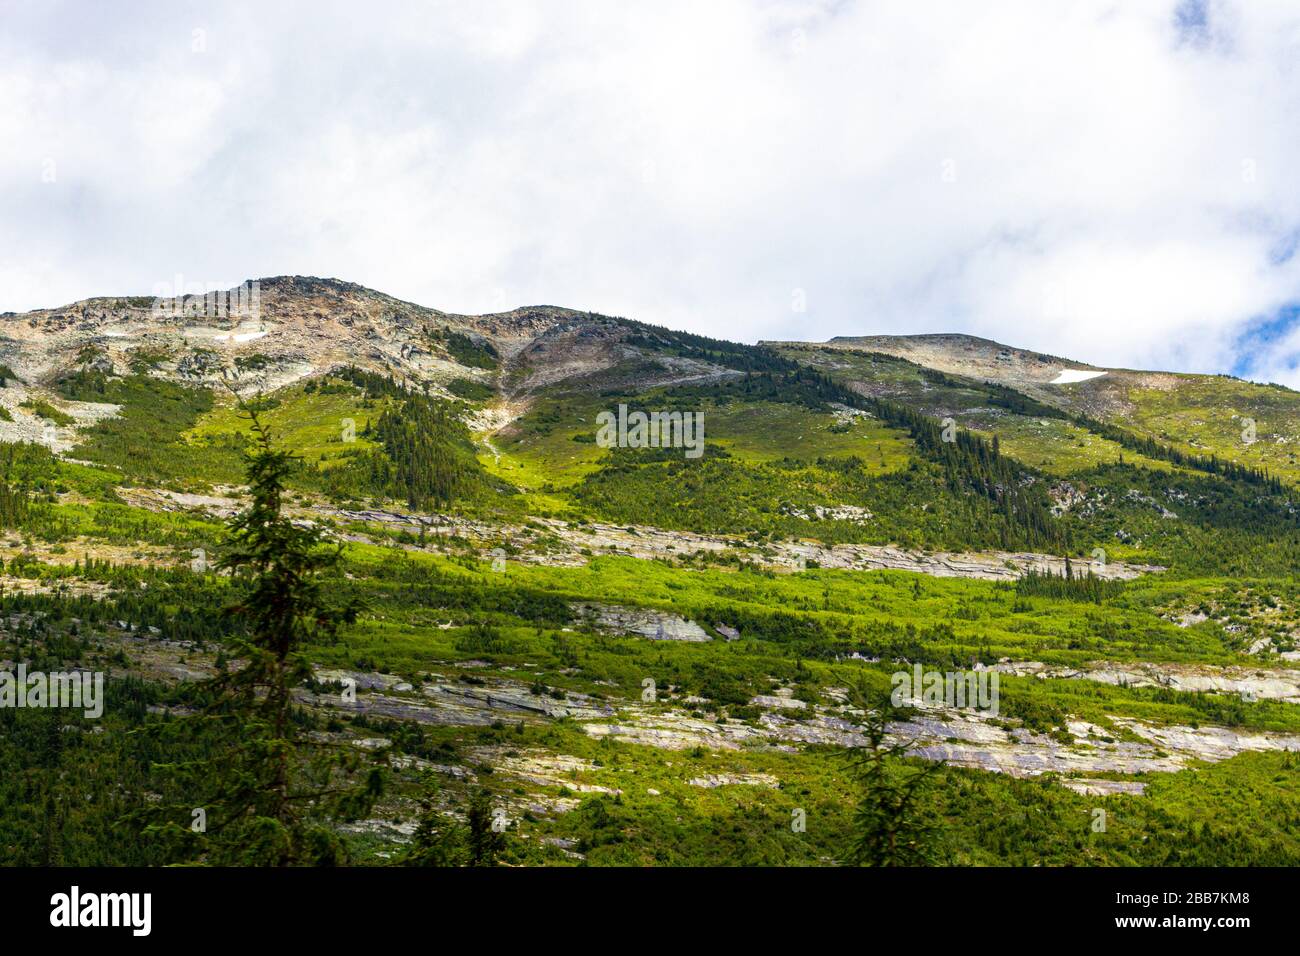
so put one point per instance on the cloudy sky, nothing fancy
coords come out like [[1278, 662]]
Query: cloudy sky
[[1112, 181]]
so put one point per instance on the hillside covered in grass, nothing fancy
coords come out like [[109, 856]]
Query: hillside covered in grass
[[635, 656]]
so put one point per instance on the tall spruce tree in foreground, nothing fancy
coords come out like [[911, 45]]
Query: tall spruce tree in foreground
[[891, 827], [266, 791]]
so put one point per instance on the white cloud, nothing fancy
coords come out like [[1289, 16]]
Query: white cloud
[[1091, 179]]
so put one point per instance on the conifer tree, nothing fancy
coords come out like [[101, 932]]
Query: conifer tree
[[265, 790], [890, 826]]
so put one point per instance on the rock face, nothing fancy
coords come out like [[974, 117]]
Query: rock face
[[962, 739], [450, 703], [989, 565], [966, 355], [1210, 743], [778, 702], [1105, 788], [958, 737], [544, 769], [569, 544], [642, 621], [736, 780], [1250, 683], [832, 513], [797, 555]]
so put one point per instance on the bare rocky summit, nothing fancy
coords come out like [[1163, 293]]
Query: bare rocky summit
[[288, 328]]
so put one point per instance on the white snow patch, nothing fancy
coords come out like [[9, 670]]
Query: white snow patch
[[242, 333], [1069, 375]]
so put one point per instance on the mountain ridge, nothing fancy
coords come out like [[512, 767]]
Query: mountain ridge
[[306, 326]]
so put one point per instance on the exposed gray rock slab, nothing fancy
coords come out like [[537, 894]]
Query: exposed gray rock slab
[[646, 622], [1247, 682], [735, 780], [962, 739], [1105, 788]]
